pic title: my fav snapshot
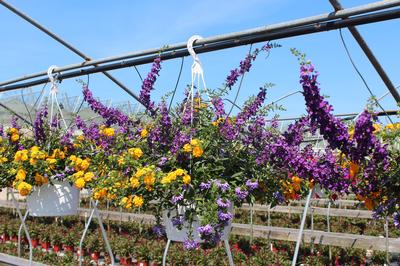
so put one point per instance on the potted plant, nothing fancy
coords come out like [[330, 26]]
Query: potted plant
[[143, 255], [13, 233], [95, 246], [34, 235], [56, 241], [45, 239], [123, 247], [84, 246], [69, 241], [4, 232]]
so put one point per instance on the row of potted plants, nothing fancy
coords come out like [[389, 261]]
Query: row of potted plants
[[145, 248]]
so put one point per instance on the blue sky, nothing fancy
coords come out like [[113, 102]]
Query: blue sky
[[102, 29]]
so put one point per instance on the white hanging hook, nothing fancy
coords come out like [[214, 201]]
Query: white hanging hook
[[189, 45], [52, 77]]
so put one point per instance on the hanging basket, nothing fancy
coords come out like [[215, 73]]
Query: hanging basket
[[176, 235], [59, 199]]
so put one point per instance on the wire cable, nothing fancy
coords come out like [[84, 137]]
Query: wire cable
[[360, 75], [137, 71], [176, 84], [26, 106]]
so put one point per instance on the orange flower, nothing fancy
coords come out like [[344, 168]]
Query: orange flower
[[353, 170], [197, 151]]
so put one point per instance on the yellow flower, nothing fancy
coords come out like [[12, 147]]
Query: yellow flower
[[109, 131], [186, 179], [134, 182], [135, 152], [179, 172], [140, 172], [144, 133], [14, 137], [197, 151], [79, 174], [138, 201], [41, 180], [121, 160], [3, 160], [24, 188], [195, 142], [13, 130], [80, 138], [88, 176], [51, 160], [296, 179], [21, 175], [123, 201], [187, 147], [166, 180], [377, 128], [149, 179], [80, 183], [57, 153], [21, 155], [73, 158], [84, 165], [351, 133]]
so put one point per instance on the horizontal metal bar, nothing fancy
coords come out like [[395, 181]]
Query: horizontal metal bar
[[372, 7], [326, 26], [348, 116]]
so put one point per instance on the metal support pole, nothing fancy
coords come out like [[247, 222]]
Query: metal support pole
[[228, 252], [164, 260], [96, 213], [20, 231], [251, 223], [214, 44], [25, 228], [312, 229], [387, 240], [303, 221], [67, 45], [370, 55], [328, 224]]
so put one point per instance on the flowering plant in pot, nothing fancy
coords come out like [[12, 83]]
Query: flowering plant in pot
[[34, 235], [123, 248], [56, 241], [143, 255], [95, 245], [45, 239], [69, 239], [196, 168], [4, 232], [39, 166]]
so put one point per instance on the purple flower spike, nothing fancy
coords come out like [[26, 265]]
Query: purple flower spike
[[205, 186], [148, 85], [190, 244], [223, 203], [177, 198], [205, 230], [251, 185], [241, 194], [223, 186]]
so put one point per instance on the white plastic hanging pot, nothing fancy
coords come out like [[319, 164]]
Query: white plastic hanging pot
[[174, 234], [59, 199]]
